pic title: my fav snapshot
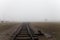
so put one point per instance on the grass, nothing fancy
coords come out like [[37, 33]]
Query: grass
[[6, 26], [49, 27]]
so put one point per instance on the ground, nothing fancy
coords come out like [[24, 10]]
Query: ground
[[7, 29], [52, 28]]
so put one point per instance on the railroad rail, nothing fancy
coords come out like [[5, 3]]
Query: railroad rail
[[24, 32]]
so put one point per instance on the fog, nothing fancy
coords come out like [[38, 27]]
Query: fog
[[30, 10]]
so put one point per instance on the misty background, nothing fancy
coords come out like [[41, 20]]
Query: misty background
[[30, 10]]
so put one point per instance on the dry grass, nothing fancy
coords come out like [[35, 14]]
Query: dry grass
[[49, 27], [6, 30], [6, 26]]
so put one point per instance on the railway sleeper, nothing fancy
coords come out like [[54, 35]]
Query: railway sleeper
[[27, 35], [26, 38]]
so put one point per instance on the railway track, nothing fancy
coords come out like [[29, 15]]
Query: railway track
[[24, 32]]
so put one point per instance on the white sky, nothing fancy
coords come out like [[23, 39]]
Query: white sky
[[29, 10]]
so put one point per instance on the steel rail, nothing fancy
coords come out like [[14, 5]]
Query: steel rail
[[29, 32], [16, 32]]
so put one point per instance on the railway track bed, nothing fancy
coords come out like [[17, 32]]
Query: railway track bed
[[25, 33]]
